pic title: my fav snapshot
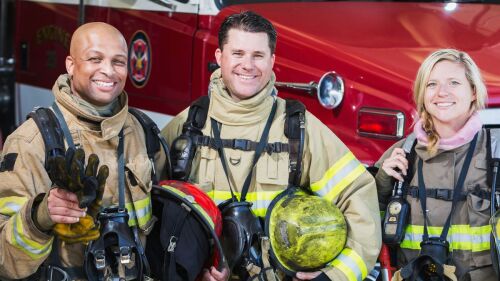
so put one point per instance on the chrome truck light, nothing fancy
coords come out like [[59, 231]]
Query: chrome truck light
[[329, 89]]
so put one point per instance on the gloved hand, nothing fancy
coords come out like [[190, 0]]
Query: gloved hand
[[87, 183]]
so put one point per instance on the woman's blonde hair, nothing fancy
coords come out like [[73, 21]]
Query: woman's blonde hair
[[473, 75]]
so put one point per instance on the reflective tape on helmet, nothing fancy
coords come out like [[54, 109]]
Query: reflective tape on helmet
[[195, 204], [260, 200], [338, 177], [351, 264], [139, 212], [9, 206], [460, 237], [23, 242]]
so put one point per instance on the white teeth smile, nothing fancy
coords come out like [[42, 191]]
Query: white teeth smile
[[444, 104], [104, 84], [246, 77]]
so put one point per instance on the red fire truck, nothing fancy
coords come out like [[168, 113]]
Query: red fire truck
[[351, 63]]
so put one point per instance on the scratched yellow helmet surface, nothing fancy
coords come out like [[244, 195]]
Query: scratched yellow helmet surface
[[306, 232]]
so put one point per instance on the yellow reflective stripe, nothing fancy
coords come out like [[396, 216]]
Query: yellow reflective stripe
[[338, 177], [11, 205], [260, 200], [336, 190], [32, 248], [461, 237], [351, 264], [139, 211], [332, 171]]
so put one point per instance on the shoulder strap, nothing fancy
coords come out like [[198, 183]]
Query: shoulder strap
[[153, 140], [198, 112], [493, 158], [409, 149], [294, 131], [51, 131]]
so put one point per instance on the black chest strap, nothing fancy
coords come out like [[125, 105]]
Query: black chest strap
[[294, 130]]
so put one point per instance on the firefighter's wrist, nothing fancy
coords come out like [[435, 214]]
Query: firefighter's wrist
[[40, 214], [322, 277]]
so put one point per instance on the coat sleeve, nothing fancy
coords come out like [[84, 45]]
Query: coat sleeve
[[333, 172], [23, 180]]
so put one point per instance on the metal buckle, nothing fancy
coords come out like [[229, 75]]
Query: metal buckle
[[277, 147], [100, 260], [124, 255], [240, 144], [51, 269], [172, 244], [443, 194]]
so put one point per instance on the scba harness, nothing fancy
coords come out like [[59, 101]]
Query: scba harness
[[244, 241], [118, 252]]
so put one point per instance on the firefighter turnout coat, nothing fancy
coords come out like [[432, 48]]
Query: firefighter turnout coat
[[329, 168], [469, 234], [24, 180]]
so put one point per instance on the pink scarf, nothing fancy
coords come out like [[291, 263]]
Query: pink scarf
[[463, 136]]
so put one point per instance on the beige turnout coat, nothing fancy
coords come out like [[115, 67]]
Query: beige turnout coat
[[329, 168], [23, 246], [469, 234]]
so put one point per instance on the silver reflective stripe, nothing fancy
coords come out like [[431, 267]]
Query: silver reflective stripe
[[12, 206], [338, 177], [25, 246], [351, 264]]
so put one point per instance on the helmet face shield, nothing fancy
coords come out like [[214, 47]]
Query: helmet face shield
[[306, 232]]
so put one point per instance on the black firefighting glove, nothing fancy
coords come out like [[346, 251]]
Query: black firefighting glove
[[69, 173]]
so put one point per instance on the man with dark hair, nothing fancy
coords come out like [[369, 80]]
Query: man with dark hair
[[248, 22], [242, 103]]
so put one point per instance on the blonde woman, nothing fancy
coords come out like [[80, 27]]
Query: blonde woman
[[448, 92]]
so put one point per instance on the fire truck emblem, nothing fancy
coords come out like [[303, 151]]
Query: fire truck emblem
[[139, 53]]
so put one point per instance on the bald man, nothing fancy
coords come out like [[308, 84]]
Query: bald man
[[94, 107]]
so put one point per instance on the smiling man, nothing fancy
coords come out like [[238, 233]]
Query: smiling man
[[243, 113], [39, 216], [97, 64]]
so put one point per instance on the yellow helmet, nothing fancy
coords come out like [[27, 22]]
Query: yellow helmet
[[306, 232]]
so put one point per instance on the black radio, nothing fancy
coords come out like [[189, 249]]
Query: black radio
[[182, 152], [396, 216]]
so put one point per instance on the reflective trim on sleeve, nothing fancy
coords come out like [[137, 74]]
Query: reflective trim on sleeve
[[461, 237], [9, 206], [140, 210], [351, 264], [260, 200], [338, 177], [21, 241]]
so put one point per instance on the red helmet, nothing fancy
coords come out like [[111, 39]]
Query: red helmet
[[185, 239], [206, 204]]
